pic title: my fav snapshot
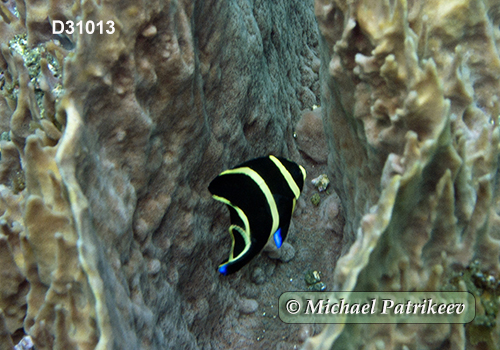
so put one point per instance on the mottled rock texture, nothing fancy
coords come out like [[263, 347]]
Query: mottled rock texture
[[410, 100], [110, 239], [310, 136]]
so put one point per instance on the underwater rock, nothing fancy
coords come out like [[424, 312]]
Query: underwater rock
[[310, 136], [321, 182], [330, 208], [109, 143], [285, 253], [248, 306], [258, 276], [317, 287], [316, 199], [313, 281], [154, 266], [306, 331], [312, 277]]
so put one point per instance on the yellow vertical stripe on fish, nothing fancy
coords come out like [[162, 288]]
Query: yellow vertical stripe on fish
[[288, 177], [264, 188]]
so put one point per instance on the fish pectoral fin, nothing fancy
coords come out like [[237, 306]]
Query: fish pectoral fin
[[278, 238], [286, 207]]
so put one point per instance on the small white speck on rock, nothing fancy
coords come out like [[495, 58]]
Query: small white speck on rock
[[305, 332], [150, 31], [120, 135], [154, 266]]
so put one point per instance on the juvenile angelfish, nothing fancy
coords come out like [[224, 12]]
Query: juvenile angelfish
[[261, 195]]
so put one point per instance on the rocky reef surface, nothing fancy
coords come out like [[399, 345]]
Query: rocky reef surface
[[109, 237]]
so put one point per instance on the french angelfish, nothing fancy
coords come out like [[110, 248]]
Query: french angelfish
[[261, 195]]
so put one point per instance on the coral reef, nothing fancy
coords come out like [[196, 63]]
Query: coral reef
[[110, 239], [411, 107]]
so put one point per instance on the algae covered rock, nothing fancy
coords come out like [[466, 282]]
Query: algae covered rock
[[110, 239]]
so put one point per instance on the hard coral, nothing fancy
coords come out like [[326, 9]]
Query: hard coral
[[413, 84], [111, 238]]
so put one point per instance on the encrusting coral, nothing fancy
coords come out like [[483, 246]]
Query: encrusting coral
[[108, 144], [411, 110], [38, 230]]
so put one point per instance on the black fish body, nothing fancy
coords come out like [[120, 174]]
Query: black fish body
[[261, 195]]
